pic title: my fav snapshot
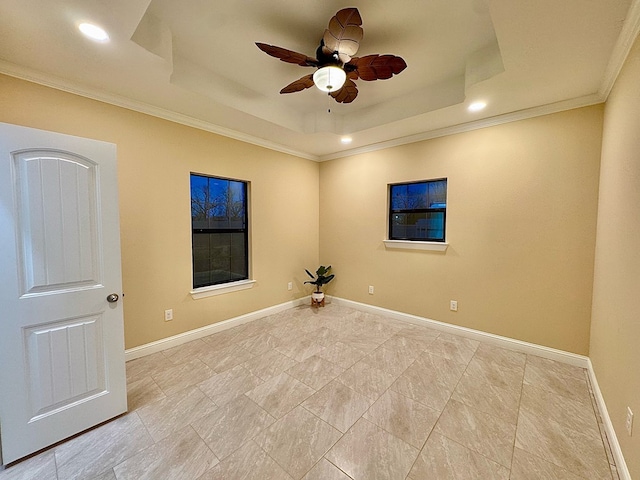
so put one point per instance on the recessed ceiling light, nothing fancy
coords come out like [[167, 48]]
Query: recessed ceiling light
[[346, 140], [476, 106], [94, 32]]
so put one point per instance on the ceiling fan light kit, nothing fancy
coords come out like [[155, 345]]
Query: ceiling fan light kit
[[337, 66], [330, 78]]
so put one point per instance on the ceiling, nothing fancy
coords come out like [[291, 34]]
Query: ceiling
[[195, 62]]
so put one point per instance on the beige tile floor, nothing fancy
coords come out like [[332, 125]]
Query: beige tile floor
[[337, 394]]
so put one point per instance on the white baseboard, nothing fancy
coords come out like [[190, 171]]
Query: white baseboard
[[621, 464], [497, 340], [174, 341]]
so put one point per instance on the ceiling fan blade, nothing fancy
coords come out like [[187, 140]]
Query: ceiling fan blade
[[299, 85], [377, 67], [288, 56], [347, 93], [343, 34]]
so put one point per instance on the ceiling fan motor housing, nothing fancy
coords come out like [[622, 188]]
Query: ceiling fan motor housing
[[325, 59]]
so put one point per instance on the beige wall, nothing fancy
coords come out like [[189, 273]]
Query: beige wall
[[155, 158], [615, 330], [521, 219]]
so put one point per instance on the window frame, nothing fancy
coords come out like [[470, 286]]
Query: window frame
[[414, 242], [232, 284]]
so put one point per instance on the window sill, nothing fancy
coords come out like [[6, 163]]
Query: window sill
[[412, 245], [212, 290]]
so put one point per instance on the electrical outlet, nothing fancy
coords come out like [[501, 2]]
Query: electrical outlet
[[453, 305], [370, 289], [290, 286], [168, 315], [628, 424]]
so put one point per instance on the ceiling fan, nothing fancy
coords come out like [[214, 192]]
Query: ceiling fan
[[337, 68]]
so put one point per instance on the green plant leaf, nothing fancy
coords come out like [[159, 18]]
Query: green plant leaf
[[321, 278]]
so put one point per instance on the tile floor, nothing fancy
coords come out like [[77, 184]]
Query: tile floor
[[337, 394]]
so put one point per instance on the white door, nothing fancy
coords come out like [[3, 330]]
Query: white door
[[61, 342]]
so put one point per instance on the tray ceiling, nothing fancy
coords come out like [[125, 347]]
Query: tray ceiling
[[196, 62]]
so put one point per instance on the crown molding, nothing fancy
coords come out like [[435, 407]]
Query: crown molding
[[564, 105], [626, 39], [57, 83], [629, 33]]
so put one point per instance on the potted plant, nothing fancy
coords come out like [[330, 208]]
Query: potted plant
[[321, 278]]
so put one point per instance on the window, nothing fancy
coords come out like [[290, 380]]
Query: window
[[418, 210], [219, 230]]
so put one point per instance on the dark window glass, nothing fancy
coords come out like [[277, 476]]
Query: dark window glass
[[219, 230], [418, 210]]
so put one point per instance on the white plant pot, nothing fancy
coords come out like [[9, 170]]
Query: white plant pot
[[317, 296]]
